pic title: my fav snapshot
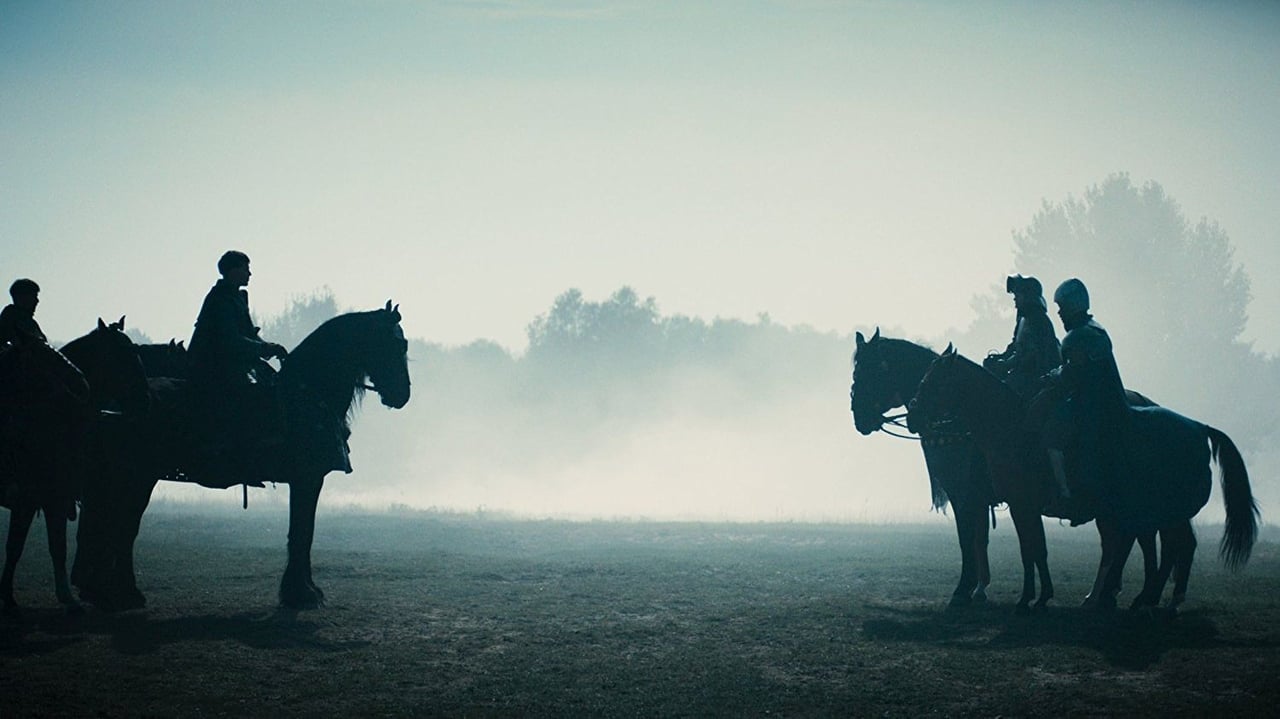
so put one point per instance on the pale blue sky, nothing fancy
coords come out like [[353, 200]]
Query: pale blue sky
[[830, 163]]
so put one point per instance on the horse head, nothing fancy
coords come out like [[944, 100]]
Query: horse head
[[387, 363], [875, 387], [110, 363]]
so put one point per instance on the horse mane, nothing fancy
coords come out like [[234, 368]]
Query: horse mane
[[328, 362], [909, 351], [1007, 399]]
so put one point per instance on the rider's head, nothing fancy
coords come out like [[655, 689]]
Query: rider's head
[[1072, 298], [1027, 292], [234, 266], [25, 294]]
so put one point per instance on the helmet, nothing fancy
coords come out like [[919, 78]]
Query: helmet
[[1025, 289], [1018, 285], [1072, 297]]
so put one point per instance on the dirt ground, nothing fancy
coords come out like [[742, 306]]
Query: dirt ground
[[432, 614]]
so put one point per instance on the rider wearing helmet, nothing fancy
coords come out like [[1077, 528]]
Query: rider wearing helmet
[[1092, 409], [1034, 349]]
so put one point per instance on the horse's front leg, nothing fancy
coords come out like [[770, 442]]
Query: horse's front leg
[[1116, 547], [981, 542], [55, 525], [1106, 542], [297, 590], [124, 580], [1031, 541], [19, 524], [963, 594]]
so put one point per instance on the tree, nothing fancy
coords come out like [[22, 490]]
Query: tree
[[1168, 291], [300, 318]]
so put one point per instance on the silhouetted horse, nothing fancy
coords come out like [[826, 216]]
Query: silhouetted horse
[[1168, 477], [48, 425], [318, 385], [886, 373], [164, 359]]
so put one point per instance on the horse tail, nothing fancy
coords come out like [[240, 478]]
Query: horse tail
[[1241, 529]]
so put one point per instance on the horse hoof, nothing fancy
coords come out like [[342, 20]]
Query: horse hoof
[[74, 608], [1040, 608], [300, 597], [958, 601], [1022, 610], [979, 596], [13, 611]]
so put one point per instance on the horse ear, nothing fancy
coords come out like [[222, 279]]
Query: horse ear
[[388, 307], [876, 336], [861, 340], [120, 324], [173, 344], [182, 344], [950, 350], [101, 325]]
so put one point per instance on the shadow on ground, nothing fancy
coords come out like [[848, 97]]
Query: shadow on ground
[[1127, 640]]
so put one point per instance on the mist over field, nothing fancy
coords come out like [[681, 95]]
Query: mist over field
[[616, 409], [774, 175]]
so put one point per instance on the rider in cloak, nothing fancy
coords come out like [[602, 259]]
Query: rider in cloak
[[1090, 416], [1034, 349], [229, 376]]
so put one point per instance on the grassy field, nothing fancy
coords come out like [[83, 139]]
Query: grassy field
[[465, 616]]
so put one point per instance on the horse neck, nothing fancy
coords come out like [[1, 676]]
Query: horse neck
[[912, 362], [988, 408], [327, 368]]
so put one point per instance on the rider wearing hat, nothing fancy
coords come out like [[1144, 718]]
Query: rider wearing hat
[[1034, 349]]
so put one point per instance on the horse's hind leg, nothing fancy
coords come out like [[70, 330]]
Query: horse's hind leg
[[55, 525], [1154, 574], [20, 518], [1182, 567]]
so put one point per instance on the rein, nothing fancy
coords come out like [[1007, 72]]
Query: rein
[[939, 428], [898, 420]]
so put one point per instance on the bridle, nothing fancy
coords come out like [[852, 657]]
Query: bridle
[[897, 420]]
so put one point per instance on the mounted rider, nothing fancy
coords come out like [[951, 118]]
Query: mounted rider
[[1091, 412], [229, 377], [1034, 349], [17, 321]]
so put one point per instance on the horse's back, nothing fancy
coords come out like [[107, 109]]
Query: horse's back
[[1167, 477]]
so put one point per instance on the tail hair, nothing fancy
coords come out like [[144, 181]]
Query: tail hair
[[1241, 528]]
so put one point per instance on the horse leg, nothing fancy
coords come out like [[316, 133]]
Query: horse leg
[[1182, 567], [962, 595], [297, 590], [1022, 522], [20, 518], [1114, 550], [981, 536], [1040, 555], [124, 578], [1155, 570], [55, 526]]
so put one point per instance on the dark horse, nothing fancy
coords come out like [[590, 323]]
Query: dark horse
[[1167, 480], [50, 418], [886, 373], [318, 386]]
